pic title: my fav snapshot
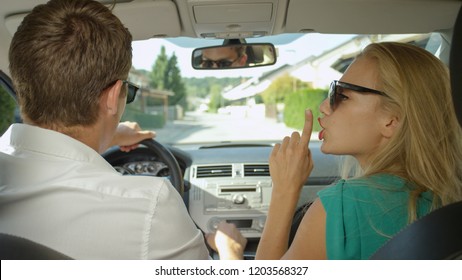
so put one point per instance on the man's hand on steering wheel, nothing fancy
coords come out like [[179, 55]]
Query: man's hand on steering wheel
[[129, 134]]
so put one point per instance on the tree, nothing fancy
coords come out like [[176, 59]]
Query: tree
[[174, 82], [216, 100], [7, 106], [166, 75], [158, 70], [297, 102], [277, 92], [280, 88], [200, 87]]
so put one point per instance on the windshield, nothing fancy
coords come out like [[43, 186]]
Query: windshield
[[255, 106]]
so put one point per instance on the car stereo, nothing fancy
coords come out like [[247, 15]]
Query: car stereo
[[233, 199]]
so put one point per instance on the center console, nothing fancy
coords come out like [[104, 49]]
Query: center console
[[235, 193]]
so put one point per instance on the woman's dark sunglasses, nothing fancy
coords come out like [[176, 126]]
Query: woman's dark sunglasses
[[132, 90], [336, 88]]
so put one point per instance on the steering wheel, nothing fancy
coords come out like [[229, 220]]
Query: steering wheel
[[114, 154]]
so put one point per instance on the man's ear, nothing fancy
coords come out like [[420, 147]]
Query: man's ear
[[243, 59], [110, 98], [389, 126]]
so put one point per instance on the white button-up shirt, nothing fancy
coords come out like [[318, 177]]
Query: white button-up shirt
[[59, 192]]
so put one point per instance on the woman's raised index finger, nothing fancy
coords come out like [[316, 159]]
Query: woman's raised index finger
[[307, 128]]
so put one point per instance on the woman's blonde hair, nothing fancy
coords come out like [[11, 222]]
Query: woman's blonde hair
[[426, 149]]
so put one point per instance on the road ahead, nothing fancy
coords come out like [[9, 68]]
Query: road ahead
[[206, 127]]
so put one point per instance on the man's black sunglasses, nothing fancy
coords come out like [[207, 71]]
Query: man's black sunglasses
[[222, 63], [336, 88], [132, 90]]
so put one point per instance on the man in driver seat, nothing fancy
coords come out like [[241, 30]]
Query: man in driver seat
[[224, 57], [69, 62]]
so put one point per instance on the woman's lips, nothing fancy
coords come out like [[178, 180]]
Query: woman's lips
[[321, 133]]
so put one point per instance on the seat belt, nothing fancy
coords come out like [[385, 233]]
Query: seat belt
[[455, 66]]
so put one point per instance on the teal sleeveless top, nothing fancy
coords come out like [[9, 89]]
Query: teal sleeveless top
[[364, 213]]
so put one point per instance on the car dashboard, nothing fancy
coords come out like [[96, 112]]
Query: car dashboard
[[228, 182], [233, 184]]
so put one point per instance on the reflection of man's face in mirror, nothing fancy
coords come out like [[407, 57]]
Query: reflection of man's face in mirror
[[224, 57]]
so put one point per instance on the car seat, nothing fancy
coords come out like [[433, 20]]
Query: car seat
[[436, 236], [18, 248]]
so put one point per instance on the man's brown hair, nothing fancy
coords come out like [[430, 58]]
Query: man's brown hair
[[62, 57]]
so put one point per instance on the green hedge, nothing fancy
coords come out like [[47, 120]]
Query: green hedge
[[146, 121], [7, 105], [296, 103]]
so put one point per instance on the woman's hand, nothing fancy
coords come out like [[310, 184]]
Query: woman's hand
[[290, 161], [290, 166], [129, 134]]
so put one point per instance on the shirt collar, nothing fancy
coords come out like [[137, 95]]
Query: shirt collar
[[40, 140]]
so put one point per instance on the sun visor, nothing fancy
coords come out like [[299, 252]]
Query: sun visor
[[144, 19], [12, 22], [147, 19], [411, 17]]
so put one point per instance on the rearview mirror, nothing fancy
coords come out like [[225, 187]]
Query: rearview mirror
[[234, 56]]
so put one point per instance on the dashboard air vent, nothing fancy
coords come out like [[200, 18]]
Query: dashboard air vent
[[256, 170], [214, 171]]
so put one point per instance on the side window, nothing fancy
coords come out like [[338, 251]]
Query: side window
[[439, 45], [9, 112]]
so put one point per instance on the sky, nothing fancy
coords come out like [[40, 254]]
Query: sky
[[145, 53]]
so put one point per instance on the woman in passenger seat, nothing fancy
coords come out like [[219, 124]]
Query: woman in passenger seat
[[392, 115]]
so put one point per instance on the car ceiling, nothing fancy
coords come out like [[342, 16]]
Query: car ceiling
[[241, 18]]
